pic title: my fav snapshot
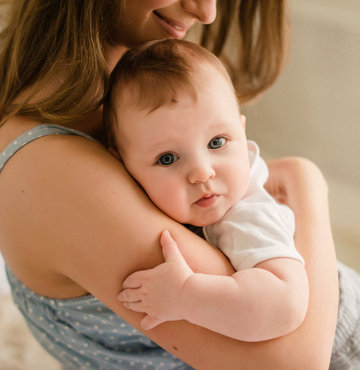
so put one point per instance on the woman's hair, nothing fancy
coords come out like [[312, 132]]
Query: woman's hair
[[152, 75], [62, 41]]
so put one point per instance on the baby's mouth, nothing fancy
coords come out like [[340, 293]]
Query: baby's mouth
[[207, 200]]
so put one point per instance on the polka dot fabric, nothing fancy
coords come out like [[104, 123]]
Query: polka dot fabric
[[82, 333]]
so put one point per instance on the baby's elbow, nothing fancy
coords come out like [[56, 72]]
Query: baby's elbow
[[295, 308], [296, 315]]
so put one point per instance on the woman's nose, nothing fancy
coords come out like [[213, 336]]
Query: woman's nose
[[203, 10], [201, 173]]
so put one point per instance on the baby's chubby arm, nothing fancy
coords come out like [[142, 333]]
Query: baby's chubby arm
[[264, 302]]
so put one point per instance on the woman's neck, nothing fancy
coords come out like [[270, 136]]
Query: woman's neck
[[92, 124], [113, 53]]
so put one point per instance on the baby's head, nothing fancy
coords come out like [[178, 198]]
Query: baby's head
[[173, 117]]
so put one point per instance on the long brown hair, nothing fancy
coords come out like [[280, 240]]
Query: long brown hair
[[42, 37]]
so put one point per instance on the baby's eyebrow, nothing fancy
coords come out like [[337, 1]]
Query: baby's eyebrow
[[217, 125], [158, 148]]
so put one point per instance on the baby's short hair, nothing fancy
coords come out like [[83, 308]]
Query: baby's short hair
[[155, 72]]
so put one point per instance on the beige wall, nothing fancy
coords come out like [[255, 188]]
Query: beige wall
[[314, 109]]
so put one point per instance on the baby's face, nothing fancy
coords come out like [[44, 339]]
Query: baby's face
[[190, 156]]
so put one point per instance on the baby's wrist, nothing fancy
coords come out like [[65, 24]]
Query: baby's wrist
[[186, 298]]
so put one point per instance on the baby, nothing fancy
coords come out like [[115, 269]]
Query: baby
[[173, 118]]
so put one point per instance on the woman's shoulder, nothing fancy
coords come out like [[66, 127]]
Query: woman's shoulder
[[49, 157], [46, 143], [46, 189]]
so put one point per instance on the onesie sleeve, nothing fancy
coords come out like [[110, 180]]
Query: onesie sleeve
[[253, 232]]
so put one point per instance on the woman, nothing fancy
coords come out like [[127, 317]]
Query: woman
[[72, 222]]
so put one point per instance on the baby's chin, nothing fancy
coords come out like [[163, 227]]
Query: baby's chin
[[198, 218], [201, 222]]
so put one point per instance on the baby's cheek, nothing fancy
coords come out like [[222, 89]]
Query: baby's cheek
[[160, 198], [170, 200], [240, 185]]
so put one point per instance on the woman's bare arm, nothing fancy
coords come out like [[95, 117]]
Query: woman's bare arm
[[86, 222]]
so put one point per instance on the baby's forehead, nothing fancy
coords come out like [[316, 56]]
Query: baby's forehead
[[154, 96], [154, 92]]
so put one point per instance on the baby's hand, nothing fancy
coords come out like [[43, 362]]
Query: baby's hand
[[157, 291]]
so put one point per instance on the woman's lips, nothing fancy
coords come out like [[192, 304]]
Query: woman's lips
[[207, 200], [175, 29]]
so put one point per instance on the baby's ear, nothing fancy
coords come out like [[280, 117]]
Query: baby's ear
[[115, 153], [243, 121]]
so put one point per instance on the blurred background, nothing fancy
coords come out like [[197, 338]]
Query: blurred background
[[313, 110]]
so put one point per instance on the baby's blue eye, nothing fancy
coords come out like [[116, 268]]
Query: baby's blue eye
[[167, 159], [217, 142]]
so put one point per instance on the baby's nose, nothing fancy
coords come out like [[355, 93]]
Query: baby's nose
[[201, 173]]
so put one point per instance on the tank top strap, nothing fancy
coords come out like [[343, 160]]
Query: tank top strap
[[33, 134]]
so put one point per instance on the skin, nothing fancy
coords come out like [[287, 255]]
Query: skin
[[93, 231], [149, 19]]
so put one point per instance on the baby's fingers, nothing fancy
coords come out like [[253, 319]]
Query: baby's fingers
[[149, 322], [134, 306], [129, 295], [135, 280]]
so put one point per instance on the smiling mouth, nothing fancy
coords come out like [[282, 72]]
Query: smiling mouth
[[170, 22]]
